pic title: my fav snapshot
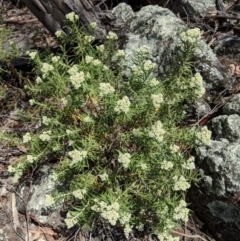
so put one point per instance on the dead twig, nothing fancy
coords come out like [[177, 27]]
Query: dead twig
[[189, 235]]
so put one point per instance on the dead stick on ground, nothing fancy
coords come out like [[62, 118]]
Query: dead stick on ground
[[189, 235]]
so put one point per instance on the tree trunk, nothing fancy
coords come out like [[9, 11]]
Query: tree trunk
[[51, 13]]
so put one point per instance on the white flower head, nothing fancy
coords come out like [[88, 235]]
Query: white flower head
[[105, 89], [124, 159], [101, 48], [189, 164], [33, 55], [27, 137], [149, 65], [46, 121], [87, 119], [77, 79], [93, 25], [112, 35], [31, 158], [79, 193], [153, 82], [157, 132], [38, 80], [46, 135], [46, 68], [72, 17], [120, 53], [64, 102], [96, 62], [181, 184], [103, 177], [191, 35], [204, 136], [157, 100], [73, 70], [55, 59], [32, 102], [59, 33], [77, 156], [143, 50], [89, 38], [88, 59], [123, 105], [166, 165], [174, 148]]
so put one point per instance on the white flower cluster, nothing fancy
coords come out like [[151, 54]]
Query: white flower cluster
[[33, 55], [189, 164], [77, 79], [157, 100], [197, 84], [180, 184], [204, 136], [124, 158], [174, 148], [70, 220], [153, 82], [103, 177], [136, 70], [55, 59], [38, 80], [112, 35], [166, 165], [144, 50], [77, 156], [45, 120], [46, 68], [87, 119], [105, 89], [89, 38], [72, 16], [59, 33], [108, 212], [120, 53], [79, 193], [27, 137], [123, 105], [46, 135], [101, 48], [149, 65], [137, 132], [31, 158], [88, 59], [181, 212], [93, 25], [32, 102], [96, 62], [73, 70], [157, 131], [64, 102], [191, 35]]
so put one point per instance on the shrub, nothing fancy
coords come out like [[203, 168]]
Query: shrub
[[123, 151]]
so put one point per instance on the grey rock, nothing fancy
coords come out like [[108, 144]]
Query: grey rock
[[219, 164], [232, 106], [160, 29], [227, 127]]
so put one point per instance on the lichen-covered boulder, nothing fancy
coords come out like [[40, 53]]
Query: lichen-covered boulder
[[160, 29], [216, 200]]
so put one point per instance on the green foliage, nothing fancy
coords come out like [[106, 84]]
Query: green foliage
[[124, 157]]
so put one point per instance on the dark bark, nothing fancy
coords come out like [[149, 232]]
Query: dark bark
[[51, 13]]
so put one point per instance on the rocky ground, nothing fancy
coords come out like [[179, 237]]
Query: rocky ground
[[17, 215]]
